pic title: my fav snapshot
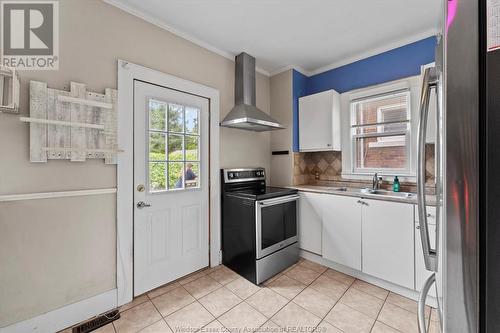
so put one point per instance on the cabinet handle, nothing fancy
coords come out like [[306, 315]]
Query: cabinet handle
[[328, 144], [418, 227]]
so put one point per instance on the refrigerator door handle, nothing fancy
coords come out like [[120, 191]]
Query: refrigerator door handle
[[422, 327], [429, 82]]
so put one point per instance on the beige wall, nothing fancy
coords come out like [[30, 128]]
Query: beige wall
[[281, 110], [58, 251]]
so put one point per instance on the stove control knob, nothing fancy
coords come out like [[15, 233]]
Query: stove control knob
[[230, 175]]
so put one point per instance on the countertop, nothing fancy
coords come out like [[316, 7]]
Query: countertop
[[356, 192]]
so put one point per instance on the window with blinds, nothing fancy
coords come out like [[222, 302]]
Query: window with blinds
[[380, 132]]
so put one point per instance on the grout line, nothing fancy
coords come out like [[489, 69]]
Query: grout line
[[386, 302], [149, 299], [306, 286], [430, 319], [241, 301], [113, 325], [338, 301], [379, 311], [245, 281]]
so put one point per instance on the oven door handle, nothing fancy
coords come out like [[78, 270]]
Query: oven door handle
[[277, 201]]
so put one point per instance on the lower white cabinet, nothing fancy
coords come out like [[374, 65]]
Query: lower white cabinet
[[377, 237], [310, 222], [421, 273], [342, 230], [387, 241]]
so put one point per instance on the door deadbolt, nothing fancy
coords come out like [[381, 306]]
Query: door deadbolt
[[141, 188]]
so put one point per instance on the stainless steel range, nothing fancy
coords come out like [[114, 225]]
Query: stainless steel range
[[259, 225]]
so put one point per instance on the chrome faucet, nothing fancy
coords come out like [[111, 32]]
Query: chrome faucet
[[376, 182]]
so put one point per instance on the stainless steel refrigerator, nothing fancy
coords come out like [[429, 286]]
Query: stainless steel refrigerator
[[466, 259]]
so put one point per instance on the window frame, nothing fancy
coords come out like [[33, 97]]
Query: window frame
[[166, 132], [411, 84], [406, 133]]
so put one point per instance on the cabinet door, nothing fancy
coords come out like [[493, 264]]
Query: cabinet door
[[319, 122], [388, 247], [310, 225], [342, 230], [421, 274]]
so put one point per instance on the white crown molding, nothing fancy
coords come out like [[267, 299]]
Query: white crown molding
[[379, 50], [132, 11]]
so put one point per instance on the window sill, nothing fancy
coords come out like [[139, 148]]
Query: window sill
[[385, 144], [403, 177]]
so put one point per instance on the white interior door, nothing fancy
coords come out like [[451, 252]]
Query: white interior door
[[171, 185]]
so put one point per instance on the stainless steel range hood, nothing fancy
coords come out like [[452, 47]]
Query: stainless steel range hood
[[245, 115]]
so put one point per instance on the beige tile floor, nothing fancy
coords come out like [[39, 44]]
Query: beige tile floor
[[307, 296]]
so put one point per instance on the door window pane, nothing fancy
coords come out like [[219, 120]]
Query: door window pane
[[192, 119], [191, 177], [192, 148], [157, 146], [157, 115], [175, 175], [174, 146], [175, 118], [157, 176], [175, 151]]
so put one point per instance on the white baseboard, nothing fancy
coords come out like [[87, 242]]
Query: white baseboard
[[409, 293], [66, 316]]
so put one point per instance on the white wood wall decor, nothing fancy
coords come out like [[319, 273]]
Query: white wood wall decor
[[9, 90], [75, 125]]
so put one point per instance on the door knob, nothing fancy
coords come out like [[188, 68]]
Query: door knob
[[142, 204]]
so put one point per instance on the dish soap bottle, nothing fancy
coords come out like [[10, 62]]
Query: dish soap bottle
[[395, 184]]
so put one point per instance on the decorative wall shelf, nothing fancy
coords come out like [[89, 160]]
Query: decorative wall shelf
[[9, 90], [75, 125]]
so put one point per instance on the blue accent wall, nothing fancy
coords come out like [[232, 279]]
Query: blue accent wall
[[392, 65]]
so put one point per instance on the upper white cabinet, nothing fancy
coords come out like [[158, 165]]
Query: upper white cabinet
[[310, 222], [387, 241], [342, 230], [319, 122]]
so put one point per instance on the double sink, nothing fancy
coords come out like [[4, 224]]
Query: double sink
[[376, 192]]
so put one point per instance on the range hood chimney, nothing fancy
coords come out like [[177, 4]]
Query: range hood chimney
[[245, 115]]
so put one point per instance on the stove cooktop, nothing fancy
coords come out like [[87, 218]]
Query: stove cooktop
[[264, 192]]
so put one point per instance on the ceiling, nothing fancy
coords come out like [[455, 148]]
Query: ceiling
[[310, 35]]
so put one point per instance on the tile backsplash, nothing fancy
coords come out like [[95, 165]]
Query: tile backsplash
[[325, 168]]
